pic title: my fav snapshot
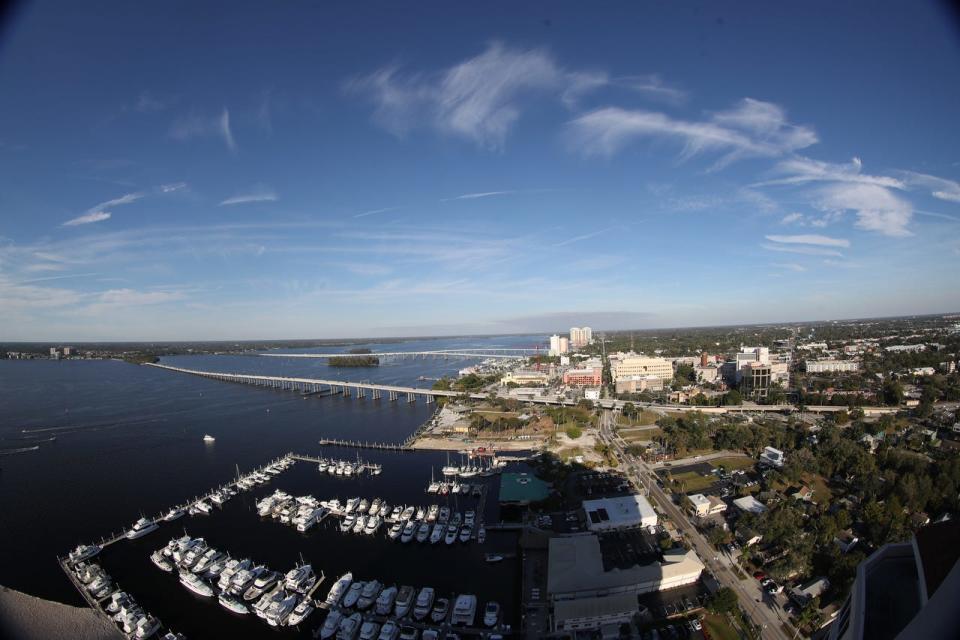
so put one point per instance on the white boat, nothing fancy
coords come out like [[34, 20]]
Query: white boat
[[481, 535], [432, 513], [353, 594], [375, 507], [369, 594], [465, 533], [363, 506], [373, 523], [350, 627], [84, 552], [423, 532], [231, 569], [330, 625], [278, 612], [451, 536], [395, 531], [440, 610], [322, 467], [436, 535], [404, 601], [300, 578], [207, 559], [173, 514], [424, 603], [369, 630], [433, 487], [389, 631], [300, 612], [261, 585], [232, 603], [209, 438], [385, 600], [339, 588], [421, 513], [491, 614], [161, 561], [194, 583], [141, 528], [146, 627], [348, 522], [409, 530], [464, 610], [493, 557], [118, 599], [244, 579], [361, 523], [352, 504], [268, 601]]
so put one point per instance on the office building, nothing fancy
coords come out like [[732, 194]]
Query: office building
[[631, 364], [831, 366], [624, 512], [637, 384], [585, 377]]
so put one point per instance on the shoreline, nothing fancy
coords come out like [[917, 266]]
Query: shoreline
[[31, 618]]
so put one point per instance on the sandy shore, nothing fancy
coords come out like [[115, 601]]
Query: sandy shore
[[29, 618]]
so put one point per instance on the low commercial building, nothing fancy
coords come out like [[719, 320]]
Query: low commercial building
[[831, 366], [632, 364], [581, 592], [749, 504], [605, 514], [772, 457], [637, 384], [524, 377], [704, 506], [586, 377]]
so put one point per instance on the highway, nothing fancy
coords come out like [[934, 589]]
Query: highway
[[748, 591]]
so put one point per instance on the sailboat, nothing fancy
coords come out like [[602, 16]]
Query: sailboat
[[434, 486]]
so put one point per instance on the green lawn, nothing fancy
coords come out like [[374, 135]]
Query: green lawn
[[643, 418], [692, 481], [732, 464], [644, 435], [717, 628]]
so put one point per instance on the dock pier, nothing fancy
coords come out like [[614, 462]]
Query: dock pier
[[356, 444]]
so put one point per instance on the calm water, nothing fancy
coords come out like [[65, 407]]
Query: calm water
[[129, 440]]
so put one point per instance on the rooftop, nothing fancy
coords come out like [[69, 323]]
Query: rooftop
[[522, 488]]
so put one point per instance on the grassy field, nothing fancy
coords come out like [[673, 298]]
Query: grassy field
[[718, 628], [644, 435], [732, 464], [644, 418], [692, 481]]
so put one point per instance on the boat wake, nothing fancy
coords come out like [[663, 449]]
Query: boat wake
[[10, 452]]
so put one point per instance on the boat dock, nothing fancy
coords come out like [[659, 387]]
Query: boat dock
[[309, 594], [357, 444]]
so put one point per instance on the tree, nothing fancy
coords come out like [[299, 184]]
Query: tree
[[892, 392], [732, 398], [723, 601], [574, 432]]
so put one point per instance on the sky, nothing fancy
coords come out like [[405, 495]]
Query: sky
[[181, 170]]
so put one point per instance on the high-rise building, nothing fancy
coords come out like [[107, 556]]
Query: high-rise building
[[580, 336], [559, 345]]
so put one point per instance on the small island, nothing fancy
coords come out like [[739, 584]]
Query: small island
[[354, 361]]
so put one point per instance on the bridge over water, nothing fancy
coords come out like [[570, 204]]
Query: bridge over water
[[438, 353]]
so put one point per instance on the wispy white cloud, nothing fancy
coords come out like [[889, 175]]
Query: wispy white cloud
[[88, 218], [373, 212], [260, 194], [943, 189], [752, 128], [789, 266], [877, 208], [148, 103], [198, 126], [580, 238], [172, 187], [651, 86], [478, 99], [818, 240], [792, 218], [801, 170], [134, 297], [482, 194], [804, 250]]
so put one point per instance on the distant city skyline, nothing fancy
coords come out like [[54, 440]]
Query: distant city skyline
[[171, 174]]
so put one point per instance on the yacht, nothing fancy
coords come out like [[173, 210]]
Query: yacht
[[162, 563], [455, 487], [424, 603], [322, 467], [491, 614], [216, 567], [84, 552], [375, 507], [207, 559], [464, 610], [433, 487], [444, 514], [330, 625], [385, 600], [350, 627], [395, 531], [352, 505], [481, 535], [369, 594], [363, 506], [209, 438], [348, 522], [456, 519], [300, 578], [405, 514], [440, 610], [409, 530], [389, 631], [200, 507], [261, 585], [338, 589], [268, 601], [232, 603], [278, 612], [465, 533], [373, 523], [100, 587], [300, 612], [348, 469], [469, 518], [369, 630], [173, 514], [353, 594], [361, 523], [195, 584], [117, 600], [141, 528], [432, 513], [423, 532], [245, 579], [444, 489], [385, 510], [404, 601], [451, 536], [436, 535], [230, 570], [146, 627], [493, 557], [421, 513]]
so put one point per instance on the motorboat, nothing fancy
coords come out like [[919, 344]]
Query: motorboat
[[161, 561], [352, 504], [433, 487], [375, 507], [481, 535], [232, 603], [389, 631], [469, 518], [216, 567], [268, 601], [440, 610], [330, 625], [118, 599], [420, 514], [369, 594], [432, 513], [230, 570], [464, 610], [409, 530], [348, 522], [300, 612], [404, 601], [353, 594], [395, 531], [451, 536], [322, 466], [361, 523], [424, 603], [493, 557], [465, 533], [369, 630], [464, 489], [384, 603], [436, 535], [278, 612], [443, 515], [84, 552], [261, 585], [363, 506], [491, 614], [141, 528], [208, 558], [373, 523], [244, 579], [87, 573], [194, 583], [350, 627], [174, 514], [300, 578], [404, 514], [423, 532], [338, 589], [209, 438], [146, 626]]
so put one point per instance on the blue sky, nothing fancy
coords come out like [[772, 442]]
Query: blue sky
[[280, 170]]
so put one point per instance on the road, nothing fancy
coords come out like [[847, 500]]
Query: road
[[749, 591]]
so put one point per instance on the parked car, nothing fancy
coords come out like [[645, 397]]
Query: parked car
[[695, 624], [759, 575]]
